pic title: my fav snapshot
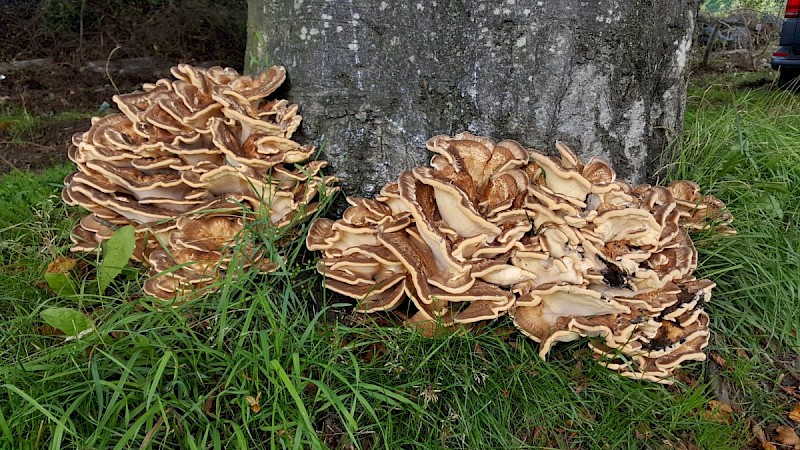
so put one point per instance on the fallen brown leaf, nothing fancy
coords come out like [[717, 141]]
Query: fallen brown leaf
[[587, 415], [719, 412], [310, 388], [794, 414], [786, 436], [431, 329], [504, 333], [61, 265], [642, 432], [46, 330], [791, 390], [332, 434], [12, 269], [372, 351], [579, 383], [719, 360], [210, 405], [758, 432], [680, 445], [255, 406], [685, 377]]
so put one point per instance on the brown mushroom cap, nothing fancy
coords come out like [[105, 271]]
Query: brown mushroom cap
[[190, 162], [563, 247]]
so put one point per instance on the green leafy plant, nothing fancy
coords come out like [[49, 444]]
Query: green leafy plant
[[61, 283], [72, 322], [117, 251]]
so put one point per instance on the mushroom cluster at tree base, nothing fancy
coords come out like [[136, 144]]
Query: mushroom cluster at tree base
[[561, 246], [191, 163]]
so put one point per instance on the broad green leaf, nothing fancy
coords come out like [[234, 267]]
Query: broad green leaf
[[61, 284], [770, 205], [116, 254], [68, 320]]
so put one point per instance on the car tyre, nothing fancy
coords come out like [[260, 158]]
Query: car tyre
[[788, 79]]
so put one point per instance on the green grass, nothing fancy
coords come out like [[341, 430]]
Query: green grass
[[748, 154], [744, 147], [22, 126], [181, 378]]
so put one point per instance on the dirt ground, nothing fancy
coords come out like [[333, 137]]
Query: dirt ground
[[59, 100], [60, 64]]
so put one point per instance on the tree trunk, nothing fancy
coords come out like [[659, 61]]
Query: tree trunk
[[375, 79]]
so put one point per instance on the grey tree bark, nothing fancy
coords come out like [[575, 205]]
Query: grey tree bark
[[375, 79]]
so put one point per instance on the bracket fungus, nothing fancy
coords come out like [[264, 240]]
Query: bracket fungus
[[561, 246], [190, 162]]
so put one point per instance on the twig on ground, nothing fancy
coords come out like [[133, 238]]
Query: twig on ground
[[108, 73]]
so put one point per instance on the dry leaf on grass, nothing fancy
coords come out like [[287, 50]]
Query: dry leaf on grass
[[761, 437], [794, 414], [46, 330], [791, 390], [719, 412], [722, 362], [255, 406], [786, 436], [61, 265], [210, 405]]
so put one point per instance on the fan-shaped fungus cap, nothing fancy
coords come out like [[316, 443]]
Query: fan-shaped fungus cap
[[699, 211], [566, 182], [564, 247], [187, 153], [536, 314]]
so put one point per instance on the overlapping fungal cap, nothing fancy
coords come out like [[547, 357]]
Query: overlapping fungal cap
[[440, 237], [562, 246], [698, 211], [189, 162]]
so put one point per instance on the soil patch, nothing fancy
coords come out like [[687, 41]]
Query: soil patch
[[57, 88], [45, 95], [62, 62], [46, 147]]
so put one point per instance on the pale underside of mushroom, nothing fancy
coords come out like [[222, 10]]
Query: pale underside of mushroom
[[563, 247], [191, 163]]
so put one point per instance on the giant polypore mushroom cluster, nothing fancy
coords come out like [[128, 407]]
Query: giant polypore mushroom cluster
[[189, 162], [562, 246]]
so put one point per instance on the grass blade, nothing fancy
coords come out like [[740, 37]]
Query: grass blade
[[301, 408], [162, 365], [38, 406]]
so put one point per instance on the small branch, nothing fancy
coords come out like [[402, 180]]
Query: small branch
[[108, 73], [80, 35]]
